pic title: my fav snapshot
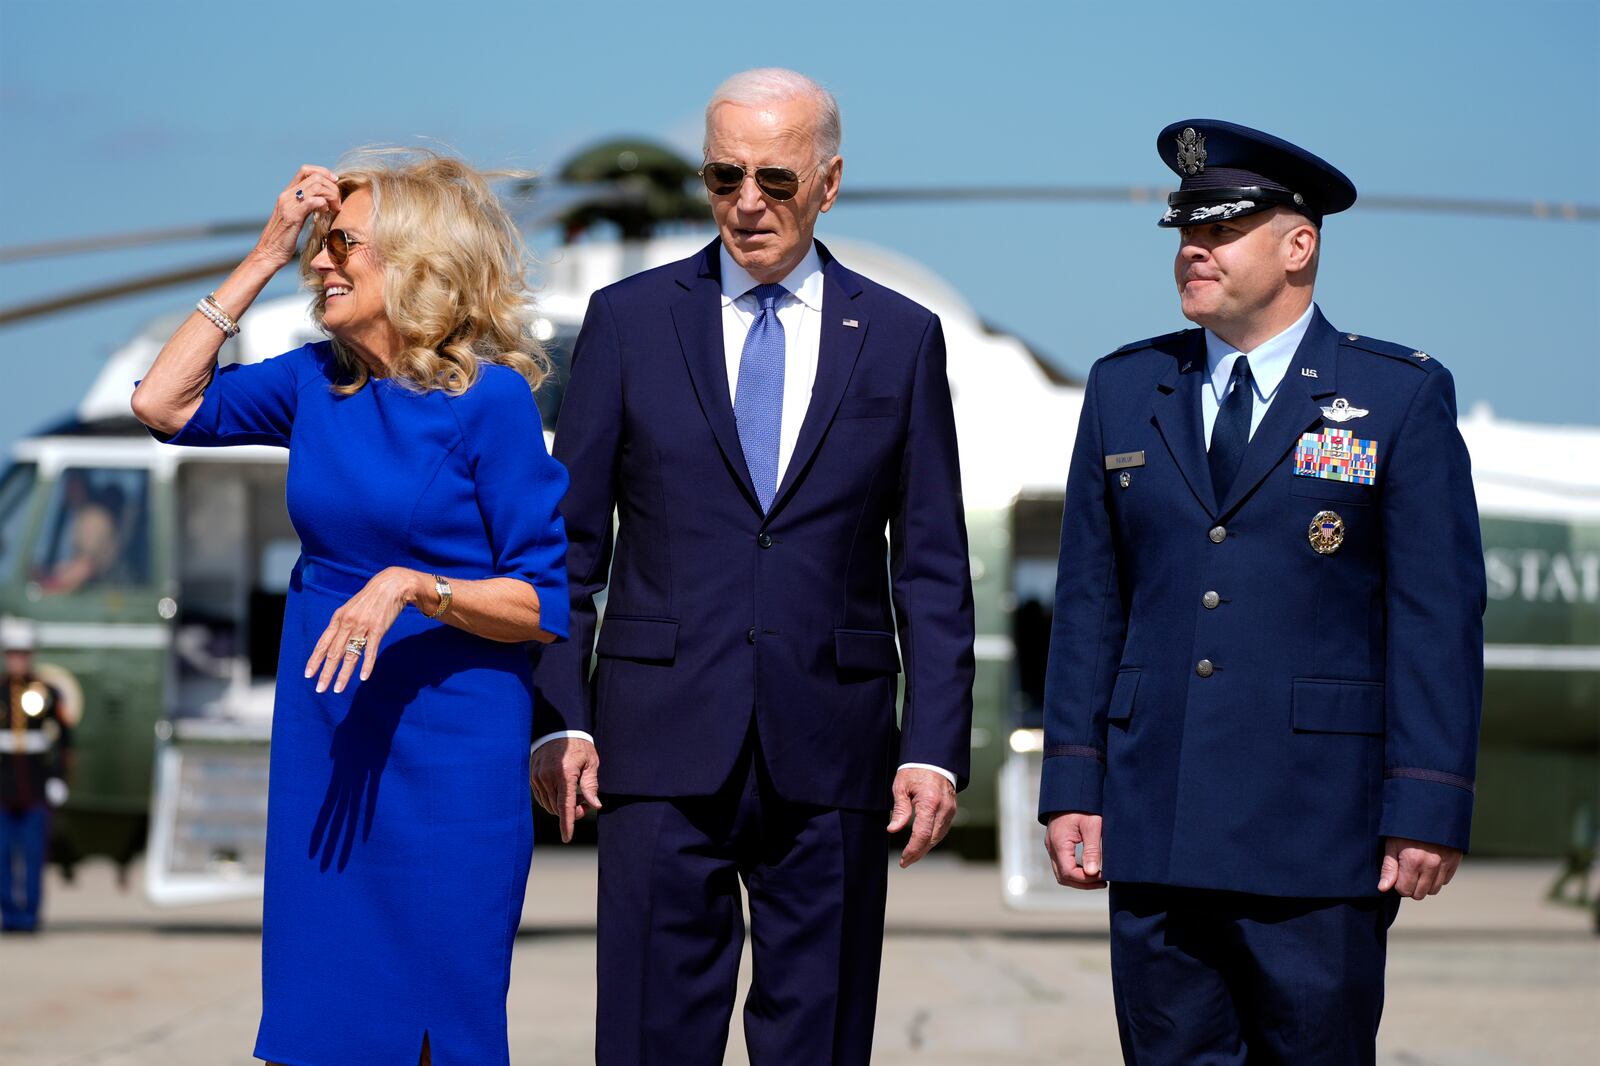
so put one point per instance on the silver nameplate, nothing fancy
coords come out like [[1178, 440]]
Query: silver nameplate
[[1123, 460]]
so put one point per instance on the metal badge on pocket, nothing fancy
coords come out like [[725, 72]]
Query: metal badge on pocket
[[1326, 533]]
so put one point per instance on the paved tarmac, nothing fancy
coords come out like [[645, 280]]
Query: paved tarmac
[[1484, 975]]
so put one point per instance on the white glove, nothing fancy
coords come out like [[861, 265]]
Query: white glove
[[55, 791]]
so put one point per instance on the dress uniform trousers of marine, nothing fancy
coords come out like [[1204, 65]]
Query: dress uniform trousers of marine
[[1255, 691]]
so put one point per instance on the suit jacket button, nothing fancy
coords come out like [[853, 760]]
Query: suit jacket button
[[765, 540], [1217, 534], [1204, 668], [1211, 599], [750, 635]]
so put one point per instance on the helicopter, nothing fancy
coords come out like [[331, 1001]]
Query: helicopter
[[173, 643]]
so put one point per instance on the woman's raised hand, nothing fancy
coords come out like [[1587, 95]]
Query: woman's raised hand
[[313, 189]]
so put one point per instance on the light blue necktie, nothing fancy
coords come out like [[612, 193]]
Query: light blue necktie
[[758, 402]]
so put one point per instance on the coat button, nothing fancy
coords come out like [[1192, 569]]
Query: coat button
[[1211, 599], [750, 635], [1217, 534], [1204, 667], [765, 540]]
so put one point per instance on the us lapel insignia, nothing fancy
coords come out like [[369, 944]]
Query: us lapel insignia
[[1326, 533], [852, 323], [1341, 411], [1337, 455], [1307, 372]]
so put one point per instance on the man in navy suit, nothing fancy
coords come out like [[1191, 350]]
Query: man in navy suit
[[1266, 663], [759, 417]]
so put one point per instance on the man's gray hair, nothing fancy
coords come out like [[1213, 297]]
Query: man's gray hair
[[772, 85]]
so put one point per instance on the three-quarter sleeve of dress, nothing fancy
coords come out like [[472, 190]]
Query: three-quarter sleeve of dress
[[519, 488], [248, 403]]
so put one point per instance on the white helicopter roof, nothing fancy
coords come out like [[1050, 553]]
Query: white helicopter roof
[[1016, 424]]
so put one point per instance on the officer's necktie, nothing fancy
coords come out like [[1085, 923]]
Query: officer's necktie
[[758, 401], [1231, 431]]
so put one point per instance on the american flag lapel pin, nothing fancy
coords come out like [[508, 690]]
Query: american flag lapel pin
[[852, 323]]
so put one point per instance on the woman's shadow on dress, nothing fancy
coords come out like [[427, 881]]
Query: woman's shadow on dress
[[363, 740]]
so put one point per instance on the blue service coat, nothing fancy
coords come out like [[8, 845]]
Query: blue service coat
[[1339, 698], [718, 614]]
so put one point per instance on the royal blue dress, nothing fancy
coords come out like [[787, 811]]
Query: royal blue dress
[[399, 824]]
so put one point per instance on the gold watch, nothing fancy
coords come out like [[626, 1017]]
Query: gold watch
[[442, 587]]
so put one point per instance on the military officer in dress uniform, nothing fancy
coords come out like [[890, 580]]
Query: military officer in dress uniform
[[1266, 663], [35, 750]]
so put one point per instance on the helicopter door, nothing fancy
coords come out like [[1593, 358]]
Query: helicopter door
[[236, 549]]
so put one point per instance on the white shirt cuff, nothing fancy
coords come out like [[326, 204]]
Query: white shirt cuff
[[941, 771], [548, 737]]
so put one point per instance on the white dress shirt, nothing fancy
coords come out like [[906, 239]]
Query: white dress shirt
[[801, 315], [1269, 361]]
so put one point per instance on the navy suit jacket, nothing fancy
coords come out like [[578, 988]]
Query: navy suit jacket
[[717, 614], [1342, 699]]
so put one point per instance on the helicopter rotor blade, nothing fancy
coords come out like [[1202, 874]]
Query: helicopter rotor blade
[[1552, 210], [100, 293], [172, 234]]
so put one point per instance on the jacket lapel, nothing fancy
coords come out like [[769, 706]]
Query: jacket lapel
[[1296, 407], [1177, 413], [838, 348], [697, 316]]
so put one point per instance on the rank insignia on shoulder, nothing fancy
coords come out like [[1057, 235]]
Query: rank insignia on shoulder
[[1422, 357], [1341, 411], [1326, 533], [1337, 455]]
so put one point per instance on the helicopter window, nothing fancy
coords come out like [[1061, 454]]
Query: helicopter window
[[16, 492], [96, 531]]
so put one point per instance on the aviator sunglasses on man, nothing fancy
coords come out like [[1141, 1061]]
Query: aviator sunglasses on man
[[776, 183], [338, 244]]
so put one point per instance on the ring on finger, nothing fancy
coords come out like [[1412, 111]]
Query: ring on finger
[[299, 194], [355, 645]]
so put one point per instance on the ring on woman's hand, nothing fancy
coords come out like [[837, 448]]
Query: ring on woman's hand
[[299, 194], [355, 645]]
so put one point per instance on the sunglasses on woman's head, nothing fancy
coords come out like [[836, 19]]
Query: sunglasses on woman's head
[[777, 183], [338, 244]]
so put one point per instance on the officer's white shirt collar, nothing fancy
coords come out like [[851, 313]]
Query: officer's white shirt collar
[[1269, 360], [804, 281]]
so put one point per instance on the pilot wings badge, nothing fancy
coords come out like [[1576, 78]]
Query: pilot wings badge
[[1341, 411]]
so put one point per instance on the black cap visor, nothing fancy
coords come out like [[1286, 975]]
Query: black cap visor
[[1196, 207]]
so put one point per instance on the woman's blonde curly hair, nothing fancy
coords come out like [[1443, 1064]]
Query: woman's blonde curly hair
[[454, 267]]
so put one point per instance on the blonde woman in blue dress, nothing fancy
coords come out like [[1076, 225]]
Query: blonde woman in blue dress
[[399, 821]]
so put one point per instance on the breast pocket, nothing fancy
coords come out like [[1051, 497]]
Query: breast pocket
[[868, 407], [1318, 488]]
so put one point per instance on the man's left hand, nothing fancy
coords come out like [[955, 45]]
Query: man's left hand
[[926, 801], [1416, 868]]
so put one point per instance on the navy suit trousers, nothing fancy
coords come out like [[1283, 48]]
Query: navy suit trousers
[[671, 926], [1202, 976]]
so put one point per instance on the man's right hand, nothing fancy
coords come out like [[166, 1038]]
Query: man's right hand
[[1062, 835], [565, 775]]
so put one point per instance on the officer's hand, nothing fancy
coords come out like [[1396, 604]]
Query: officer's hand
[[1062, 836], [926, 801], [55, 791], [1416, 868], [565, 776]]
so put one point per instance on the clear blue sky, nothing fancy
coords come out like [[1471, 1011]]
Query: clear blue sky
[[117, 116]]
